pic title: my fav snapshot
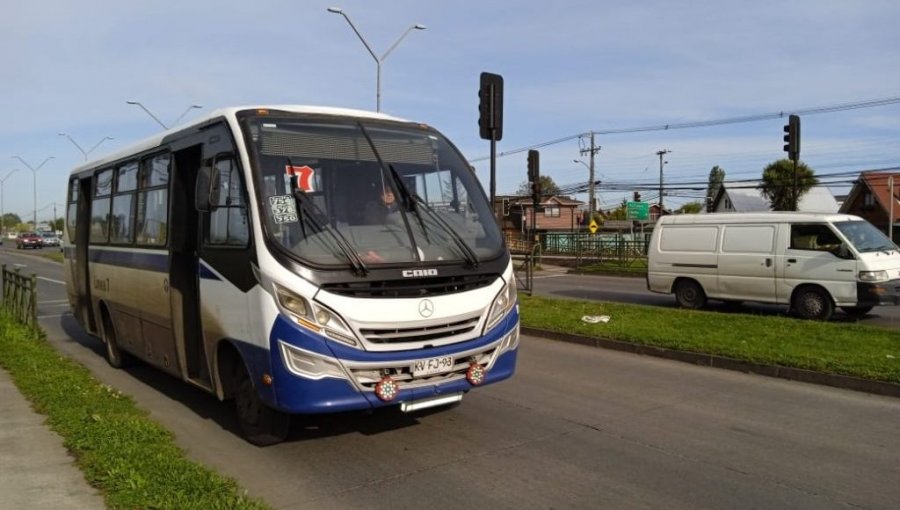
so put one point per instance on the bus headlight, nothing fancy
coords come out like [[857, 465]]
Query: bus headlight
[[503, 303], [314, 316], [873, 276]]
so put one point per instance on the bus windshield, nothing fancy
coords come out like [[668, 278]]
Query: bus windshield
[[338, 191], [864, 236]]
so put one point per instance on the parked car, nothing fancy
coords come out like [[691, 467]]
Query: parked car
[[29, 240], [50, 239]]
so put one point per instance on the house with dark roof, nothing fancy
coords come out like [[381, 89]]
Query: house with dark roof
[[554, 214], [873, 199]]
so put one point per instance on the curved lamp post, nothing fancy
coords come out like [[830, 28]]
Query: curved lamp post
[[378, 61], [154, 117], [85, 152], [34, 172], [3, 180]]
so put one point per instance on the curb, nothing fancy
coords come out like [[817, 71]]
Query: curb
[[793, 374]]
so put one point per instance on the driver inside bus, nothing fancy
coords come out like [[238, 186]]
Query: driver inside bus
[[384, 210]]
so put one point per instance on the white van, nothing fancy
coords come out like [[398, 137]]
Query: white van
[[811, 262]]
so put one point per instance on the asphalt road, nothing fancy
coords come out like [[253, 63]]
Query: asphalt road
[[555, 282], [576, 427]]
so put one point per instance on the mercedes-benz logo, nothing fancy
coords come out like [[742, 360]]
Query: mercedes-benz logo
[[426, 308]]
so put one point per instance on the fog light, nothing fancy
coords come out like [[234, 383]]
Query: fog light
[[386, 389], [475, 374]]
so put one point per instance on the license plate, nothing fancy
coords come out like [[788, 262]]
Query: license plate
[[432, 366]]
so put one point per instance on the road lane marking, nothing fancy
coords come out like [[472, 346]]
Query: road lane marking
[[549, 276], [51, 280], [54, 316], [54, 302]]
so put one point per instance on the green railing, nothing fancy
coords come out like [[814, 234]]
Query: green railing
[[20, 296]]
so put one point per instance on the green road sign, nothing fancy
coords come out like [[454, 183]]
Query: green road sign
[[637, 211]]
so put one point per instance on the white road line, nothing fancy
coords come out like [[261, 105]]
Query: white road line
[[51, 280], [54, 316], [53, 301], [550, 276]]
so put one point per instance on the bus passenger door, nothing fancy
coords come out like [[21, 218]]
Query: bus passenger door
[[184, 292], [80, 254]]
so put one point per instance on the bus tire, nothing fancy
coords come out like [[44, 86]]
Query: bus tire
[[260, 424], [689, 294], [812, 303], [114, 356]]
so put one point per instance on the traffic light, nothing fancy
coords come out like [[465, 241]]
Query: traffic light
[[490, 107], [792, 138], [505, 207], [534, 174], [536, 192], [637, 196]]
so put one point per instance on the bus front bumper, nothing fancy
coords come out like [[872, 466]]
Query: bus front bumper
[[312, 375]]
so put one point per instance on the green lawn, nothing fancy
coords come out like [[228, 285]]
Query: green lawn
[[122, 452], [839, 348]]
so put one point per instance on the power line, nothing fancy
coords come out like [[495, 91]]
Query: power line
[[871, 103]]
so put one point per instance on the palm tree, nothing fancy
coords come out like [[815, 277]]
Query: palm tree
[[778, 183]]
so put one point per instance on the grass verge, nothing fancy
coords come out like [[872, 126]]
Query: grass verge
[[849, 349], [122, 452]]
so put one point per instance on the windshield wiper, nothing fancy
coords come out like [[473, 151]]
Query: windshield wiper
[[467, 252], [304, 206]]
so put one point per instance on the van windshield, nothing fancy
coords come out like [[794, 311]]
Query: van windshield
[[864, 236]]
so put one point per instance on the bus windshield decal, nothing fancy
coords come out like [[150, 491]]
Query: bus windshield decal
[[283, 209]]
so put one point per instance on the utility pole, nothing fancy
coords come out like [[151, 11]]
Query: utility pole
[[594, 149], [661, 163]]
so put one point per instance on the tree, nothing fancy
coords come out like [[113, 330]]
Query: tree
[[689, 208], [619, 213], [10, 220], [548, 187], [778, 183], [716, 178], [58, 224]]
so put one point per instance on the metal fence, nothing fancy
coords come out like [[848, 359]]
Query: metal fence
[[20, 296]]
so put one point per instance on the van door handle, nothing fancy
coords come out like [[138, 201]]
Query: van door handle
[[768, 262], [792, 261]]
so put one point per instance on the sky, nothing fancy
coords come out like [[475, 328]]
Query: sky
[[569, 67]]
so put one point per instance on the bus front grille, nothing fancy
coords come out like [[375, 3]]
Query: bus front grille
[[419, 287], [420, 334]]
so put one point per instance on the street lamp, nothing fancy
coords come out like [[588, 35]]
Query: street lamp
[[34, 172], [154, 117], [378, 61], [3, 180], [85, 152]]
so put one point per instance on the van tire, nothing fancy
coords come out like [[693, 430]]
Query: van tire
[[689, 294], [812, 303], [260, 424], [857, 312]]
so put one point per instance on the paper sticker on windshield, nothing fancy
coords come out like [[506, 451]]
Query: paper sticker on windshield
[[304, 176], [283, 209]]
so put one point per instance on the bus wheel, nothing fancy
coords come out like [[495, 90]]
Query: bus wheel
[[856, 312], [115, 357], [813, 303], [261, 425], [689, 294]]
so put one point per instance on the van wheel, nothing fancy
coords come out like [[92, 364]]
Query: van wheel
[[261, 425], [689, 294], [813, 303], [857, 312]]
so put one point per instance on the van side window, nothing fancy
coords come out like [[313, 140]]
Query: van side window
[[814, 237]]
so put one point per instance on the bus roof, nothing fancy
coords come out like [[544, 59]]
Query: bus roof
[[228, 112], [756, 217]]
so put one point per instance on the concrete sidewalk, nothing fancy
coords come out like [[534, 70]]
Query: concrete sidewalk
[[36, 470]]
